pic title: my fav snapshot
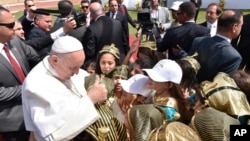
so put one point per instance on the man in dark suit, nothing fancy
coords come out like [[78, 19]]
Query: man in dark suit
[[181, 37], [103, 31], [242, 43], [66, 10], [117, 15], [122, 8], [27, 6], [197, 4], [48, 39], [42, 25], [85, 10], [41, 28], [212, 14], [14, 65], [28, 19], [216, 54]]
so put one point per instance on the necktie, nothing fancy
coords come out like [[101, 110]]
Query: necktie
[[113, 15], [123, 9], [14, 63]]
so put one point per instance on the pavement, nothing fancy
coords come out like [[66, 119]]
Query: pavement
[[39, 4]]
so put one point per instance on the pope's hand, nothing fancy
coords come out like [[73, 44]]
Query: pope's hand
[[97, 92]]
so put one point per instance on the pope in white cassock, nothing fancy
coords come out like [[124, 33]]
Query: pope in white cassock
[[56, 106]]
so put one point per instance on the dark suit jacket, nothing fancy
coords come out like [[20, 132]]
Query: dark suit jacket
[[197, 5], [11, 115], [123, 20], [243, 45], [78, 32], [204, 24], [27, 27], [36, 32], [183, 36], [129, 19], [40, 43], [104, 32], [215, 54]]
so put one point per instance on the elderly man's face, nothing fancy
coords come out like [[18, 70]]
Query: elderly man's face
[[67, 65]]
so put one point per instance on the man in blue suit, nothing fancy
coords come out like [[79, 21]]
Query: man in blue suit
[[216, 54]]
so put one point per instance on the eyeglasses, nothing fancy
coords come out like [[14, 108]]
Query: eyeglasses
[[31, 5], [85, 7], [8, 25]]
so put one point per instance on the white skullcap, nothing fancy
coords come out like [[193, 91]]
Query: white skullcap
[[66, 44]]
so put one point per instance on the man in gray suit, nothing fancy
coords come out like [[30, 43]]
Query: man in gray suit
[[216, 54], [161, 15], [14, 48], [161, 19], [11, 115]]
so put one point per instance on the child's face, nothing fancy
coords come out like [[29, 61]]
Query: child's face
[[136, 69], [91, 70], [107, 62]]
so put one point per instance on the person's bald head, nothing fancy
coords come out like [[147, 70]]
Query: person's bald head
[[231, 22], [96, 10]]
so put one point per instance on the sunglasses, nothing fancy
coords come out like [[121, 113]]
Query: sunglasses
[[8, 25], [85, 7], [31, 5]]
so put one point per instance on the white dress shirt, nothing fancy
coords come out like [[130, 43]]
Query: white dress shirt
[[213, 28]]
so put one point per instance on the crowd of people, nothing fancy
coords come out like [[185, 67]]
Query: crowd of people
[[72, 80]]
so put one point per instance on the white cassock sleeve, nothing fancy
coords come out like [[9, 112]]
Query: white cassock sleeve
[[84, 117], [51, 111]]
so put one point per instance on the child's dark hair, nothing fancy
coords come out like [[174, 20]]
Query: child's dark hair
[[89, 63]]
